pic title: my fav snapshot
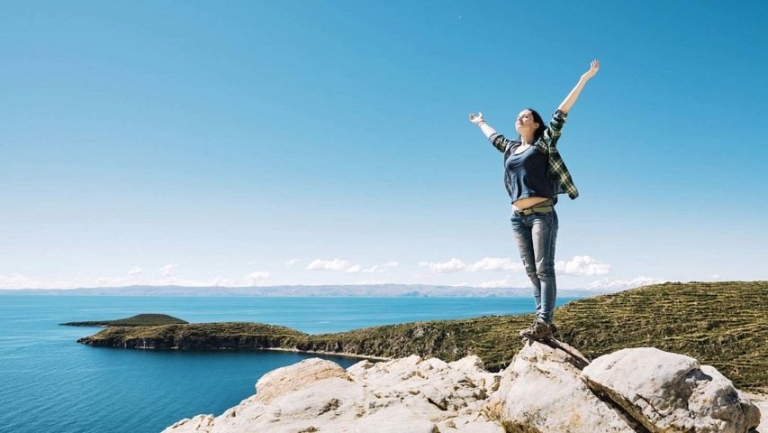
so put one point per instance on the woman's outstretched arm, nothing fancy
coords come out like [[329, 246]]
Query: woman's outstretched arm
[[498, 141], [479, 121], [565, 106]]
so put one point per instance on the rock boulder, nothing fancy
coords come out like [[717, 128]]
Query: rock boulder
[[548, 388], [668, 392], [542, 391]]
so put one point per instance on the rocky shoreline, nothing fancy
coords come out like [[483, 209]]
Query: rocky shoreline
[[546, 388], [321, 352], [206, 336]]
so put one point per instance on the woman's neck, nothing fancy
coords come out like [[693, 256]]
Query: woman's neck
[[526, 139]]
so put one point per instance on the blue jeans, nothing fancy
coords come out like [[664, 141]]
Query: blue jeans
[[535, 235]]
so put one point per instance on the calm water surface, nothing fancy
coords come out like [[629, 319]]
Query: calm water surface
[[48, 383]]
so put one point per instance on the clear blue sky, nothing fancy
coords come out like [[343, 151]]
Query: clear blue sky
[[327, 142]]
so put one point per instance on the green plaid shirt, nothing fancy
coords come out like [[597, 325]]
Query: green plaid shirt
[[547, 143]]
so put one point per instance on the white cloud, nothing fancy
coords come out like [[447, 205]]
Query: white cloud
[[484, 265], [578, 266], [218, 281], [135, 271], [328, 265], [111, 281], [13, 281], [167, 270], [495, 264], [255, 277], [583, 265], [291, 262], [224, 282], [453, 265], [344, 265], [496, 284], [375, 282], [19, 281], [376, 269], [617, 285]]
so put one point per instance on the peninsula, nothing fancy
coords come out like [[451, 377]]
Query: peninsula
[[721, 324]]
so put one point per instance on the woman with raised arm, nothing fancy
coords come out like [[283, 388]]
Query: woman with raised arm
[[534, 176]]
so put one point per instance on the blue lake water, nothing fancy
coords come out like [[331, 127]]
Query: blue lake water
[[49, 383]]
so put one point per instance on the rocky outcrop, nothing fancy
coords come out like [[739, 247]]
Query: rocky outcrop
[[671, 392], [542, 391], [545, 389], [406, 395]]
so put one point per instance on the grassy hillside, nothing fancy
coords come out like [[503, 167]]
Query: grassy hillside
[[721, 324], [197, 336]]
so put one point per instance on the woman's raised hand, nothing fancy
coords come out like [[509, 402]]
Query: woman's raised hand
[[567, 103], [476, 119], [593, 68]]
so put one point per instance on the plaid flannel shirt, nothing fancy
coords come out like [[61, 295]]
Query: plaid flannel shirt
[[547, 143]]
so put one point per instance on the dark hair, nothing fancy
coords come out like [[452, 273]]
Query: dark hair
[[542, 126]]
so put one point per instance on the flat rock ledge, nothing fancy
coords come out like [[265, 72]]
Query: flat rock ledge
[[546, 389]]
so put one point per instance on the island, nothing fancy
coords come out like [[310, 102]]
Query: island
[[137, 320]]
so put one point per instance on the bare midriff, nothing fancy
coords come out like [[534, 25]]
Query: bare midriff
[[525, 203]]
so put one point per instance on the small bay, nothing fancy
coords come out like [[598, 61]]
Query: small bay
[[49, 383]]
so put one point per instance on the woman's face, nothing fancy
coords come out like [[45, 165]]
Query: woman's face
[[525, 125]]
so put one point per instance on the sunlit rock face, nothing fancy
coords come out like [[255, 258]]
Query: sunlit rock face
[[546, 388]]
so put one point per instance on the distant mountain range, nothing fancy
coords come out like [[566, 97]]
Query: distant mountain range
[[380, 290]]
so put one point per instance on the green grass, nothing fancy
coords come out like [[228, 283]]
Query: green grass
[[721, 324], [197, 336]]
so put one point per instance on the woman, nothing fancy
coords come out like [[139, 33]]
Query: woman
[[534, 176]]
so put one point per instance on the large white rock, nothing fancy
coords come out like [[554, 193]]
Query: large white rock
[[668, 392], [542, 391], [450, 395], [294, 377], [409, 395]]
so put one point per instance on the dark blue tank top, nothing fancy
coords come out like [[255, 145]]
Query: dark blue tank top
[[528, 173]]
